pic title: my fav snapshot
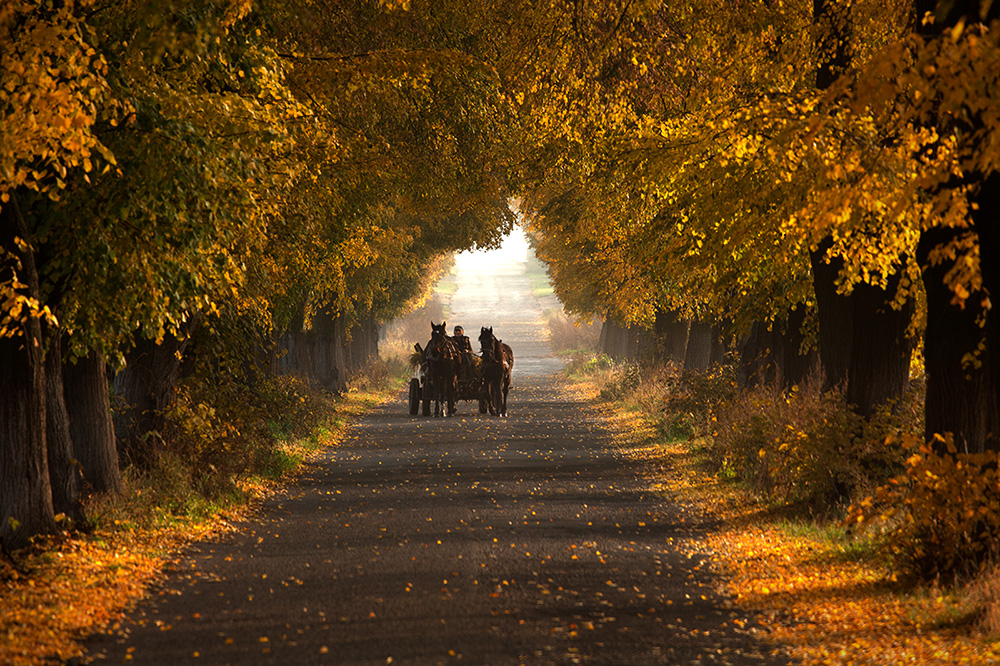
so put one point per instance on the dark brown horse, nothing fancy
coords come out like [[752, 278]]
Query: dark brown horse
[[498, 361], [442, 369]]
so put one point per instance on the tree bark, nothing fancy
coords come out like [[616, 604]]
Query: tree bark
[[961, 385], [879, 366], [862, 339], [64, 470], [720, 347], [795, 367], [770, 355], [754, 357], [363, 345], [835, 313], [328, 339], [145, 388], [614, 340], [317, 354], [674, 333], [698, 354], [25, 490], [91, 423], [986, 221], [962, 357]]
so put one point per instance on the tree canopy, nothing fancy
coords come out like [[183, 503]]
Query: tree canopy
[[254, 168]]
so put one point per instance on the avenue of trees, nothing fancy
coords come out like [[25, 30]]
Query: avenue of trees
[[231, 188], [248, 187], [820, 170]]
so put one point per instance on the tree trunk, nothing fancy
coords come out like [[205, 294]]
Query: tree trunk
[[674, 332], [328, 339], [720, 347], [317, 354], [602, 338], [64, 470], [794, 366], [363, 346], [961, 357], [698, 354], [835, 313], [770, 355], [144, 388], [961, 387], [862, 341], [879, 366], [986, 221], [614, 340], [91, 424], [863, 345], [25, 491], [754, 353]]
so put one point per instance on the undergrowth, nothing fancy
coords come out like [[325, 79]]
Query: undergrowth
[[570, 335], [224, 449], [845, 532]]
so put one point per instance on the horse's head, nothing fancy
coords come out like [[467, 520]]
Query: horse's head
[[486, 339], [439, 329]]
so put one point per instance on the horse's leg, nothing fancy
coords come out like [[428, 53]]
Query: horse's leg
[[454, 395], [442, 399], [438, 389], [495, 396], [451, 398], [506, 390]]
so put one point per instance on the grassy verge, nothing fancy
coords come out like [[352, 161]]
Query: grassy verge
[[828, 596], [538, 279], [71, 585]]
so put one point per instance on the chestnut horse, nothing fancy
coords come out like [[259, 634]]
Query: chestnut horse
[[442, 367], [498, 361]]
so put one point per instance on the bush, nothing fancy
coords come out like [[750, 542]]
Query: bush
[[377, 375], [622, 382], [803, 447], [572, 334], [688, 400], [594, 367], [808, 447], [794, 445], [228, 430], [940, 518]]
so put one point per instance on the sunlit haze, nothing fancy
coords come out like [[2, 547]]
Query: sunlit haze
[[514, 249]]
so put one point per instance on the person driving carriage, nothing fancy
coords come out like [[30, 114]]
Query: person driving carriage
[[469, 360]]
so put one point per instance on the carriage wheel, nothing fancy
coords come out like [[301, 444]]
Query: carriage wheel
[[414, 402]]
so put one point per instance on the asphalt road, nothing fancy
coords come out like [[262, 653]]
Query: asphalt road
[[470, 539]]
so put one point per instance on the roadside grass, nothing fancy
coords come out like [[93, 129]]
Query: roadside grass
[[67, 586], [823, 593], [447, 286], [538, 279], [572, 335], [540, 287]]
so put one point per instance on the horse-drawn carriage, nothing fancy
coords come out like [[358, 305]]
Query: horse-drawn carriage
[[444, 374]]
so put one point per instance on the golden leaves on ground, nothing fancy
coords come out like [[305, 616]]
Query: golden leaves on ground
[[829, 608], [79, 583], [826, 600]]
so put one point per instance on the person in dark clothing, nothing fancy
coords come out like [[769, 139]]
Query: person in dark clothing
[[461, 340], [464, 347]]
